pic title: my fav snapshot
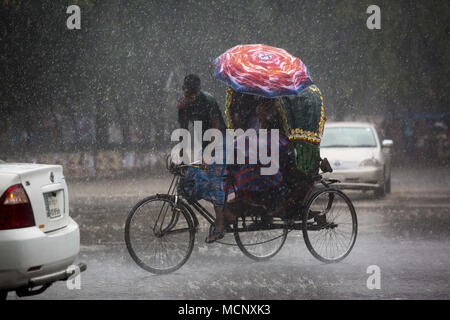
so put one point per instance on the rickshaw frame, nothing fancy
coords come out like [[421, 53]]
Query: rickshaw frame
[[287, 224]]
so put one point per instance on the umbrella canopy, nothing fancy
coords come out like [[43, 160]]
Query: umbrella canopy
[[262, 70]]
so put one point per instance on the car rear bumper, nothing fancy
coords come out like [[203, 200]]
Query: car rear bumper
[[47, 253], [365, 178]]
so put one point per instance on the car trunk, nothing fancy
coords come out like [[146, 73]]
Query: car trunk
[[47, 190]]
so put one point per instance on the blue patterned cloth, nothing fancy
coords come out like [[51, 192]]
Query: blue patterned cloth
[[206, 184], [209, 183]]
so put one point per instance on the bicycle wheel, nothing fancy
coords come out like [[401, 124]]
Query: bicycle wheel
[[159, 234], [259, 240], [329, 225]]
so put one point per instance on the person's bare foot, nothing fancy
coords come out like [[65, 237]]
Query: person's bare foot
[[214, 235]]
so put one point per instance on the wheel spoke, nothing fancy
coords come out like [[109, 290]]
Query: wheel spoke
[[260, 244], [159, 236], [336, 232]]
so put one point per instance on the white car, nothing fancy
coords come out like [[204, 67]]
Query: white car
[[38, 239], [360, 160]]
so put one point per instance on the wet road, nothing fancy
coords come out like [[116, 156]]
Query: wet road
[[406, 235]]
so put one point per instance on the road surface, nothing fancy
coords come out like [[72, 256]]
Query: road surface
[[406, 235]]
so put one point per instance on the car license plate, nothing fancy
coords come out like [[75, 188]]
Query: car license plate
[[52, 205]]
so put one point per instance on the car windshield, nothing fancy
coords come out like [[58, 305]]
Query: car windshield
[[348, 137]]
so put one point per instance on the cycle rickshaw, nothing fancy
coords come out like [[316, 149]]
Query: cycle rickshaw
[[160, 230]]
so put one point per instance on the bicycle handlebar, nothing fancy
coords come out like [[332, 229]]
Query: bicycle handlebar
[[176, 168]]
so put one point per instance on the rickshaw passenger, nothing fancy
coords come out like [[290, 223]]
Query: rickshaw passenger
[[275, 190], [267, 191]]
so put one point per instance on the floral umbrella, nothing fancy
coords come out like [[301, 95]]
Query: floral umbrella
[[262, 70]]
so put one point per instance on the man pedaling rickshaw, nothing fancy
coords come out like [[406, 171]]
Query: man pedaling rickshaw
[[299, 121], [263, 187]]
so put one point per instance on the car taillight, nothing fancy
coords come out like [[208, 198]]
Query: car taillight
[[15, 209]]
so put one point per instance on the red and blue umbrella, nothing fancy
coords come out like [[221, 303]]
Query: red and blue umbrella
[[262, 70]]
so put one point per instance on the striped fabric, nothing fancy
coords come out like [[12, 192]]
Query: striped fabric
[[247, 177]]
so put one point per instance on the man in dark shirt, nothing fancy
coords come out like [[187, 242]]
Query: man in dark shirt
[[198, 105]]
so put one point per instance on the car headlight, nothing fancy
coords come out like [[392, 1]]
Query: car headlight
[[370, 163]]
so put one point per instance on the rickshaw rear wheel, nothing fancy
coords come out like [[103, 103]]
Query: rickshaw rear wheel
[[159, 234], [329, 225], [256, 240]]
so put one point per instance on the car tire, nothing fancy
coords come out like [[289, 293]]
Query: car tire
[[381, 191], [387, 188], [3, 295]]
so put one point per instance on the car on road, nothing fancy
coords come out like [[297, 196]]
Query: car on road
[[39, 241], [358, 156]]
